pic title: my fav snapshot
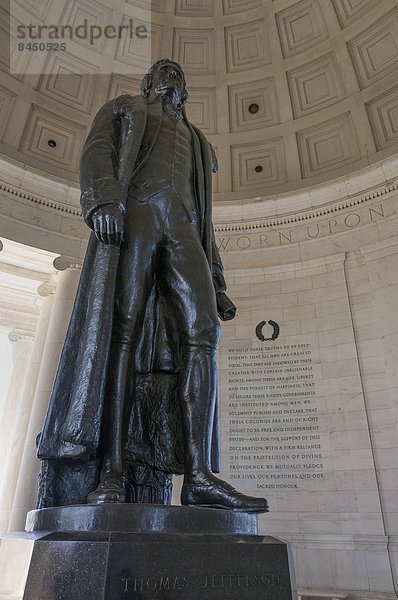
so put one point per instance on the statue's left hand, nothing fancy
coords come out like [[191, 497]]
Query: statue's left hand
[[225, 307], [108, 225]]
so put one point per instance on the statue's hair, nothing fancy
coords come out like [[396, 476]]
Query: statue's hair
[[147, 82]]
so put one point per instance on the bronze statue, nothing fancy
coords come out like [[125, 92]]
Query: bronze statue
[[151, 288]]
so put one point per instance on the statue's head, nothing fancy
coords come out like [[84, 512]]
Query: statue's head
[[165, 78]]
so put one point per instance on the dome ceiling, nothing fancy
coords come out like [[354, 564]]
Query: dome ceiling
[[290, 93]]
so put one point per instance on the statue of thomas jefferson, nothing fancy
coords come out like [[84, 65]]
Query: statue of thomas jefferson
[[151, 290]]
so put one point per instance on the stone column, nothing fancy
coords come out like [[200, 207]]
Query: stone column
[[13, 417], [26, 490]]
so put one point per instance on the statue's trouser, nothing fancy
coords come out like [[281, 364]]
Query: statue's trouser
[[117, 393], [197, 391], [162, 240]]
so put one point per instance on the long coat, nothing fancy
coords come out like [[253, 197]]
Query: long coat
[[111, 157]]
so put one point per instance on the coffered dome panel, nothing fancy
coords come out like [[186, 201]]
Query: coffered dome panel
[[348, 11], [194, 50], [156, 5], [258, 164], [95, 12], [37, 8], [194, 8], [315, 85], [301, 26], [7, 100], [4, 32], [327, 145], [246, 46], [123, 84], [46, 136], [253, 105], [383, 115], [237, 6], [374, 51], [69, 80], [291, 93]]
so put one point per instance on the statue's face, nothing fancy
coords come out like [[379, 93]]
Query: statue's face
[[168, 78]]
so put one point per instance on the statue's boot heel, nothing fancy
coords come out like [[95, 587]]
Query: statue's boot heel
[[223, 496], [110, 490]]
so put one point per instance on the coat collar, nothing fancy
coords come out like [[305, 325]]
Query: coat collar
[[154, 111]]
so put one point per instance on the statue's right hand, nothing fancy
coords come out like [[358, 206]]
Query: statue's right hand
[[108, 225]]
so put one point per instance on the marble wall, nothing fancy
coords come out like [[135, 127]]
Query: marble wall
[[309, 418]]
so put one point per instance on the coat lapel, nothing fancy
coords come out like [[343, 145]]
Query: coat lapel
[[155, 114], [153, 122], [133, 115], [134, 112], [199, 173], [204, 185]]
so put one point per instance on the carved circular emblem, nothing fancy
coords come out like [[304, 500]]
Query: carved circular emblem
[[260, 327]]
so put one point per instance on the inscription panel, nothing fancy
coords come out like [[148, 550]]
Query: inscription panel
[[274, 399]]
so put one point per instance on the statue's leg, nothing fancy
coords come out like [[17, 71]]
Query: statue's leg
[[133, 284], [111, 487], [197, 394], [186, 280], [197, 390]]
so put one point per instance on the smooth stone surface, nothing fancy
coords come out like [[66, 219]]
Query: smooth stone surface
[[141, 518], [134, 566], [68, 568], [15, 557]]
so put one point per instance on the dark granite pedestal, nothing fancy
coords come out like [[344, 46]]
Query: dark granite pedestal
[[154, 552]]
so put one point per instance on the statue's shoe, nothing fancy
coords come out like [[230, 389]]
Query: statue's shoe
[[110, 489], [219, 494]]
